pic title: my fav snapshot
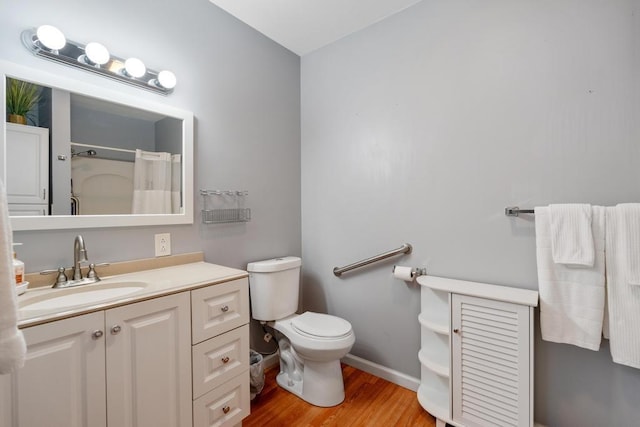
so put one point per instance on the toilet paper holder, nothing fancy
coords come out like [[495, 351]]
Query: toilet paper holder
[[415, 272]]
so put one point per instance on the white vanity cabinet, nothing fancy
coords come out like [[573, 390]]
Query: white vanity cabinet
[[476, 353], [131, 365], [220, 335], [27, 151], [148, 363], [62, 383]]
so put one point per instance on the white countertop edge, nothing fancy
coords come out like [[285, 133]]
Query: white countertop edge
[[161, 281], [481, 290]]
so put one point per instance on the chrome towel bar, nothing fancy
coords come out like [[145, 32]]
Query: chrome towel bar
[[404, 249]]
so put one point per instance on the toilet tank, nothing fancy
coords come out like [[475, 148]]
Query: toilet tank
[[273, 286]]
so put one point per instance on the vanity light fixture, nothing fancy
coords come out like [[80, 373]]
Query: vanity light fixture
[[134, 67], [50, 37], [165, 79], [96, 54], [48, 42]]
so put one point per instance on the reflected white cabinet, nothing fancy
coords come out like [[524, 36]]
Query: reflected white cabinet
[[62, 383], [144, 380], [476, 353], [27, 151]]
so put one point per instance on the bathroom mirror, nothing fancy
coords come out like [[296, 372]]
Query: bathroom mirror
[[73, 164]]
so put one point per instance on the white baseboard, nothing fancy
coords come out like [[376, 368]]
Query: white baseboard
[[391, 375], [403, 380]]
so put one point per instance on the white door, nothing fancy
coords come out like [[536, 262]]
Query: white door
[[27, 164], [62, 383], [149, 363], [491, 362]]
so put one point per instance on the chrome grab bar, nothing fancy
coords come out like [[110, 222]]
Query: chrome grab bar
[[404, 249]]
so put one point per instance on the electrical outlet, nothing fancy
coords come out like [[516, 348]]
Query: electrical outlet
[[163, 244]]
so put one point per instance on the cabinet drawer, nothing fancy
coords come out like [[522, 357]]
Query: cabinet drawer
[[226, 405], [219, 359], [219, 308]]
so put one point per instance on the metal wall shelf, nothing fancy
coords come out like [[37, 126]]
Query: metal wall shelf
[[224, 206]]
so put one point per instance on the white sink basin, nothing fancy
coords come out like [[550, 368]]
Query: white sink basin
[[84, 295]]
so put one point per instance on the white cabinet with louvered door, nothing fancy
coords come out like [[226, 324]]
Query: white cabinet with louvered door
[[489, 351], [491, 367]]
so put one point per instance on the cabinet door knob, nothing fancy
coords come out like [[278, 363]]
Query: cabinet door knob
[[225, 359], [456, 331], [116, 329], [224, 308], [226, 409], [97, 334]]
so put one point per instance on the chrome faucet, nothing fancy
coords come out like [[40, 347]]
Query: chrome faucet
[[79, 256]]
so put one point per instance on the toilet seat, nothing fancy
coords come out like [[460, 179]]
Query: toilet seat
[[321, 326]]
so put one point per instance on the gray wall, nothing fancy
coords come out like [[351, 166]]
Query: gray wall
[[111, 130], [425, 126], [168, 133], [244, 91]]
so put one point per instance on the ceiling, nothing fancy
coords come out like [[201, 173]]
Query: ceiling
[[303, 26]]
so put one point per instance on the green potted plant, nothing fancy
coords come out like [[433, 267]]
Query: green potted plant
[[21, 98]]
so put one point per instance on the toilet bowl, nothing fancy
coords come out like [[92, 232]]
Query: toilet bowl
[[311, 346]]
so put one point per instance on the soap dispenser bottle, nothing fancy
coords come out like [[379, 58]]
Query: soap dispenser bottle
[[18, 267]]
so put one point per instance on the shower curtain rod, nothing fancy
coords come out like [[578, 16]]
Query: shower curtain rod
[[102, 147]]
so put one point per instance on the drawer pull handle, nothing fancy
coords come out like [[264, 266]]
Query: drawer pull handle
[[226, 409], [97, 334], [224, 308], [225, 359], [116, 330]]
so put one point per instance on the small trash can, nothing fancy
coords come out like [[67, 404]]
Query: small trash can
[[256, 373]]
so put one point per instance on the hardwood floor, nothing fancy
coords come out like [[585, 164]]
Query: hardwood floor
[[370, 402]]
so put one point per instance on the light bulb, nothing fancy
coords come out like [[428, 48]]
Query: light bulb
[[134, 67], [97, 53], [167, 79], [51, 37]]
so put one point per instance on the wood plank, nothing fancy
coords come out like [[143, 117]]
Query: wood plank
[[370, 401]]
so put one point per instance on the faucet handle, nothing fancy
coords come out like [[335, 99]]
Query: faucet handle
[[60, 278], [91, 274]]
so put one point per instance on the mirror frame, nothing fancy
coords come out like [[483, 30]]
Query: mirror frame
[[56, 222]]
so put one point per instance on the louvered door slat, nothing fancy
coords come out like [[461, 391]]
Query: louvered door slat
[[490, 370], [508, 357]]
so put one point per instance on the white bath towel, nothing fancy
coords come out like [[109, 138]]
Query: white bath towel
[[571, 296], [631, 213], [12, 345], [623, 298], [571, 235]]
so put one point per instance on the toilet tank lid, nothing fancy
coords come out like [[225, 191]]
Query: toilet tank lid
[[275, 264]]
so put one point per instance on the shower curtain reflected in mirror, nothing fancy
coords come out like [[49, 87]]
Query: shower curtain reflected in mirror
[[156, 183]]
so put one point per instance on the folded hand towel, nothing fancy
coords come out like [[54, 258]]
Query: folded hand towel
[[623, 299], [571, 236], [571, 297], [12, 345]]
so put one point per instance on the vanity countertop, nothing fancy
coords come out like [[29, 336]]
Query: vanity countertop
[[157, 282]]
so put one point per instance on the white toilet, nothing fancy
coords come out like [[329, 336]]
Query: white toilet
[[311, 344]]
